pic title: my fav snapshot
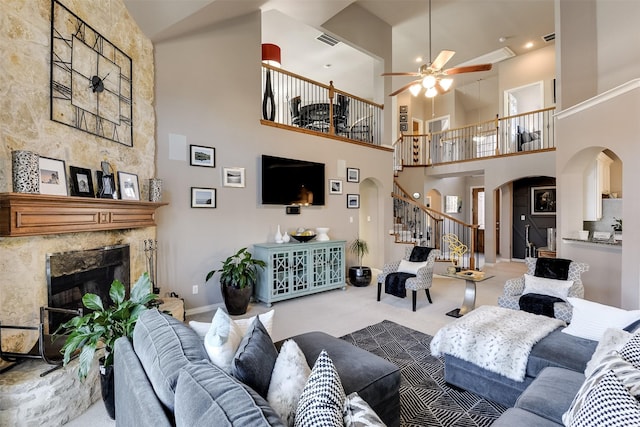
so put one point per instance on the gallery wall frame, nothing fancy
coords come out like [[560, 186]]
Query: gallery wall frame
[[353, 201], [202, 156], [202, 197], [543, 200], [353, 175], [335, 186], [53, 177], [81, 182], [233, 177]]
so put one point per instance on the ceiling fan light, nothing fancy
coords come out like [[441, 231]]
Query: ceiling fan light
[[431, 92], [415, 89], [429, 82], [445, 84]]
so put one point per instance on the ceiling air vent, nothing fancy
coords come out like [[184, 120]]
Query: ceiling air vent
[[549, 37], [326, 38]]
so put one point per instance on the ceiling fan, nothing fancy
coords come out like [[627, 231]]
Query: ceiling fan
[[431, 76]]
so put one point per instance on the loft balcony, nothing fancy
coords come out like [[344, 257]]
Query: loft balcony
[[295, 103]]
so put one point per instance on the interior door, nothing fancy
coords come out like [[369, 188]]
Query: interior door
[[477, 215]]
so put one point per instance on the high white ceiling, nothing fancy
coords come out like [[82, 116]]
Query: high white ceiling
[[469, 27]]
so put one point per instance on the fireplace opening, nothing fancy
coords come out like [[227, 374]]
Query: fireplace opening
[[70, 275]]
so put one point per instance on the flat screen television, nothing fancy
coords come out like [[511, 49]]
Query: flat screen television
[[292, 182]]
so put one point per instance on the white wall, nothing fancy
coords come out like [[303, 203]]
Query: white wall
[[208, 89]]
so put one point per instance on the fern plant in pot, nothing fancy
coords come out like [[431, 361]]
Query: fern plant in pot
[[238, 276], [359, 275], [101, 327]]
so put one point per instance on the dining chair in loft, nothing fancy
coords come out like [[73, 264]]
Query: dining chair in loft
[[47, 347], [294, 108], [341, 114]]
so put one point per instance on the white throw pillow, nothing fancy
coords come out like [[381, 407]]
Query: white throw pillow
[[288, 378], [612, 339], [202, 328], [225, 334], [590, 319], [410, 267], [551, 287]]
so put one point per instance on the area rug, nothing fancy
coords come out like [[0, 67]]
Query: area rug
[[425, 398]]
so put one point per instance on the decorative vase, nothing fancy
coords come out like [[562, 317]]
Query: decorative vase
[[155, 190], [268, 101], [236, 300], [286, 238], [278, 236], [26, 171], [359, 276], [323, 235], [107, 388]]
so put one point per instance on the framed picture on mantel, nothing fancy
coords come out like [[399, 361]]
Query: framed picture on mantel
[[53, 177]]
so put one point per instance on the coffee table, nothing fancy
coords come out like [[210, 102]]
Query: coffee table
[[469, 301]]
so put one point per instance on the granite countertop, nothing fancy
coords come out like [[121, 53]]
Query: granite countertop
[[609, 242]]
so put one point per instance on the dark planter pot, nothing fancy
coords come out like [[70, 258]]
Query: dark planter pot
[[359, 276], [236, 300], [107, 388]]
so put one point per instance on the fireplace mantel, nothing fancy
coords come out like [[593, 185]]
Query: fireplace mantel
[[40, 214]]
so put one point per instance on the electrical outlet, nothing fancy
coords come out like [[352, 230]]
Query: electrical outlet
[[521, 217], [195, 289], [351, 219]]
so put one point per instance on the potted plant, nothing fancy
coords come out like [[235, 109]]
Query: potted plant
[[238, 276], [359, 275], [102, 327]]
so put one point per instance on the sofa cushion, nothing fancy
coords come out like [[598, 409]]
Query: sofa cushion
[[590, 319], [289, 376], [357, 413], [560, 350], [164, 345], [207, 396], [551, 393], [521, 418], [255, 359], [322, 400], [609, 403]]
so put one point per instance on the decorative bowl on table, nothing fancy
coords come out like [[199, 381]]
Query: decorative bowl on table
[[303, 237]]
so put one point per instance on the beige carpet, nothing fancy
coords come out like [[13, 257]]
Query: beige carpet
[[340, 312]]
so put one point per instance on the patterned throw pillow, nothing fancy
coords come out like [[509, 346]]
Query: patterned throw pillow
[[631, 351], [289, 376], [323, 397], [609, 404], [358, 413], [626, 373]]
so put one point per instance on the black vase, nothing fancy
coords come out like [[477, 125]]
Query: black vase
[[107, 389], [359, 276], [235, 299], [268, 101]]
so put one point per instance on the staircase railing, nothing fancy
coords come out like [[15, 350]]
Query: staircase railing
[[417, 224], [518, 134]]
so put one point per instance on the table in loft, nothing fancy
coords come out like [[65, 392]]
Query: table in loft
[[469, 301]]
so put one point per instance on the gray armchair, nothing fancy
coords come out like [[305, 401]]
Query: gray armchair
[[513, 289], [423, 279]]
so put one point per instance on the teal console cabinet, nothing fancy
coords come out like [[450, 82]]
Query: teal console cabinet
[[296, 269]]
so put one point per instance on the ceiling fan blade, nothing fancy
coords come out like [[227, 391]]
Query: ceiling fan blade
[[401, 74], [467, 69], [403, 88], [442, 58]]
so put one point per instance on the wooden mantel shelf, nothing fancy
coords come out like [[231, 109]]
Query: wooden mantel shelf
[[40, 214]]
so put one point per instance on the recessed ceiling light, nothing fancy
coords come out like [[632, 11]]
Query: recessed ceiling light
[[419, 59], [502, 39], [529, 45]]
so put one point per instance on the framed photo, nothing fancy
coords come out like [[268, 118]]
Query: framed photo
[[543, 200], [404, 109], [81, 182], [353, 201], [335, 186], [129, 189], [404, 127], [106, 186], [203, 156], [403, 118], [353, 175], [203, 197], [233, 177], [53, 177]]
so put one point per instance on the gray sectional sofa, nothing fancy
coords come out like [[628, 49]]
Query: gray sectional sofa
[[163, 378]]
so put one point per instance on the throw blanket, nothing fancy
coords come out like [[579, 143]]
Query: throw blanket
[[494, 338], [538, 304], [552, 268], [394, 284]]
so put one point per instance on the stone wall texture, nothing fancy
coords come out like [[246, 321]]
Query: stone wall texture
[[25, 31]]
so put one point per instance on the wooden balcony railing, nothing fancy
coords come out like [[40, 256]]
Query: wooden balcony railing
[[298, 103], [418, 224], [517, 134]]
